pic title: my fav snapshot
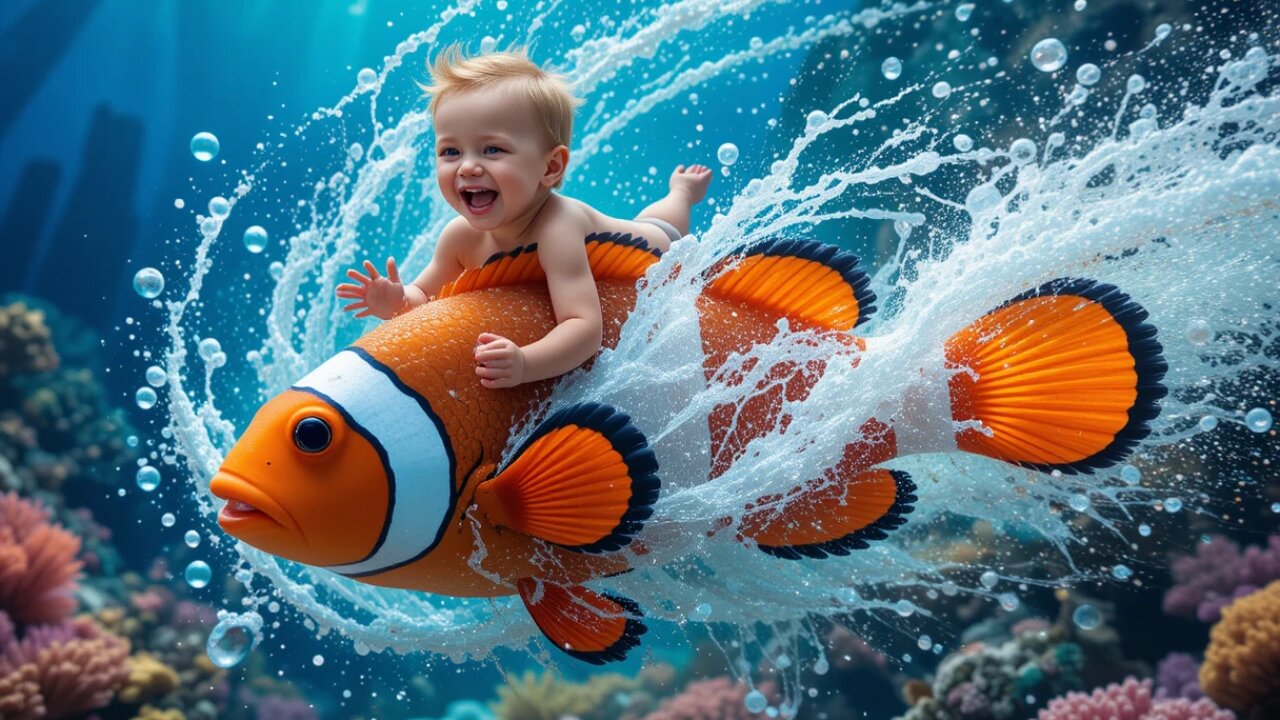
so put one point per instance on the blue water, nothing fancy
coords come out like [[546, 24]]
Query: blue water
[[117, 92]]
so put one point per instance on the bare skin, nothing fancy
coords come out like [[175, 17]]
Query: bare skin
[[497, 168]]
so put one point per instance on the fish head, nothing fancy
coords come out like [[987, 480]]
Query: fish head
[[303, 485]]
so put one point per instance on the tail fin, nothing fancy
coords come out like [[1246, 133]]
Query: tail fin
[[1064, 377]]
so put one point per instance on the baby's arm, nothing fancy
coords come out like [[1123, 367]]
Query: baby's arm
[[579, 327], [386, 297]]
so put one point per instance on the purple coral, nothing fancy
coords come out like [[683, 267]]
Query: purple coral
[[1178, 676], [1130, 700], [59, 670], [275, 707], [1219, 573]]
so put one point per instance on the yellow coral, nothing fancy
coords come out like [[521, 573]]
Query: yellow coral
[[1242, 664], [148, 679], [149, 712], [546, 697]]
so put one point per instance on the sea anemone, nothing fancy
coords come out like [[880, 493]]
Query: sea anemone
[[38, 566]]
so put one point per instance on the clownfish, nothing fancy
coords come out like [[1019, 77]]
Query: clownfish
[[385, 463]]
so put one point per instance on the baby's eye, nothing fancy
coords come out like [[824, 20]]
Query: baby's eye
[[449, 152], [492, 150]]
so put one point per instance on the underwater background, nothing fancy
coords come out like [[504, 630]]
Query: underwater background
[[183, 182]]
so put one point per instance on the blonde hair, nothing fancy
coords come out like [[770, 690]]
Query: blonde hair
[[454, 72]]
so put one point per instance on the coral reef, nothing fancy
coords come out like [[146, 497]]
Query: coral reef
[[38, 566], [1178, 676], [1130, 700], [148, 679], [1242, 663], [1218, 573], [721, 698], [26, 345], [540, 696], [59, 670], [275, 707]]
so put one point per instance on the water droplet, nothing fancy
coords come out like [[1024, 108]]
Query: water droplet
[[962, 142], [950, 589], [148, 478], [982, 199], [701, 612], [1130, 475], [1172, 505], [366, 77], [924, 642], [1207, 423], [155, 376], [1078, 502], [814, 119], [167, 520], [1022, 151], [727, 154], [209, 347], [276, 270], [1121, 572], [1008, 601], [989, 579], [1136, 83], [1199, 332], [905, 608], [964, 11], [1049, 55], [821, 666], [318, 660], [219, 208], [941, 89], [204, 146], [148, 282], [255, 238], [1086, 617], [1163, 30], [1080, 5], [1258, 420], [578, 32], [1275, 507], [233, 638], [902, 228], [755, 701], [1144, 530], [198, 574], [145, 397], [1088, 74], [891, 68], [131, 441], [191, 538]]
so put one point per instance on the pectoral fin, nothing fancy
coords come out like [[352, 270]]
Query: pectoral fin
[[590, 626]]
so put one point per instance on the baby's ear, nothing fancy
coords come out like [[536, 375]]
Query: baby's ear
[[557, 165]]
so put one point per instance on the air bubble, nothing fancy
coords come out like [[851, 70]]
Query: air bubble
[[1172, 505], [145, 397], [727, 154], [1086, 617], [962, 142], [982, 199], [191, 538], [1088, 74], [219, 208], [905, 608], [1022, 151], [1144, 530], [1121, 572], [1130, 475], [1049, 55], [155, 376], [755, 701], [989, 579], [1199, 332], [1163, 30], [233, 638], [1136, 83], [168, 519], [204, 146], [209, 347], [941, 89], [891, 68], [815, 119], [1258, 420], [147, 478], [198, 574], [148, 283], [255, 239], [964, 11], [1207, 423], [366, 78]]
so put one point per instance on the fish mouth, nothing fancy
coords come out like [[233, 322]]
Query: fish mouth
[[478, 200], [247, 505]]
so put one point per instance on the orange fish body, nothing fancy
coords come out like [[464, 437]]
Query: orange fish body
[[384, 464]]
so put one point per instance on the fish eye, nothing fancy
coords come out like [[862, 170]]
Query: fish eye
[[312, 435]]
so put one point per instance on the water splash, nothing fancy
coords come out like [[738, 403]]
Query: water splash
[[1165, 210]]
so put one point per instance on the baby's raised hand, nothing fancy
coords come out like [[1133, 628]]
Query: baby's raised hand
[[375, 294], [499, 362]]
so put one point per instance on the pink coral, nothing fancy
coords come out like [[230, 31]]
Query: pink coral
[[59, 670], [1219, 573], [720, 698], [38, 569], [1130, 700]]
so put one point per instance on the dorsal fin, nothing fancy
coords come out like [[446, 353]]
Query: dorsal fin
[[612, 256], [804, 280]]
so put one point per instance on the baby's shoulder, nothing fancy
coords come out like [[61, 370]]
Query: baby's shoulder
[[565, 222]]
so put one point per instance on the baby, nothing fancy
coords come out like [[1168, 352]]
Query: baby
[[502, 128]]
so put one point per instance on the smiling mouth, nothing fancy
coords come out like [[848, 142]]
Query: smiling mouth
[[246, 504], [237, 510], [478, 201]]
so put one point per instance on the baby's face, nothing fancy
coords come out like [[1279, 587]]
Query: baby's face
[[491, 156]]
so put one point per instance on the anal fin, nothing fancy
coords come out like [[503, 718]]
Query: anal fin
[[832, 516], [593, 627], [586, 480]]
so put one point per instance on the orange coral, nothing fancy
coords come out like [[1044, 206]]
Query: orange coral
[[20, 697], [38, 566], [82, 674], [1242, 664]]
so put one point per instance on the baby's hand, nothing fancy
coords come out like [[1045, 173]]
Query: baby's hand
[[499, 362], [376, 295]]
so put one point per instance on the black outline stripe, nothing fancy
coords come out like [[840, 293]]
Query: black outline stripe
[[627, 441], [861, 538], [624, 239], [1148, 363], [630, 637], [834, 257]]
